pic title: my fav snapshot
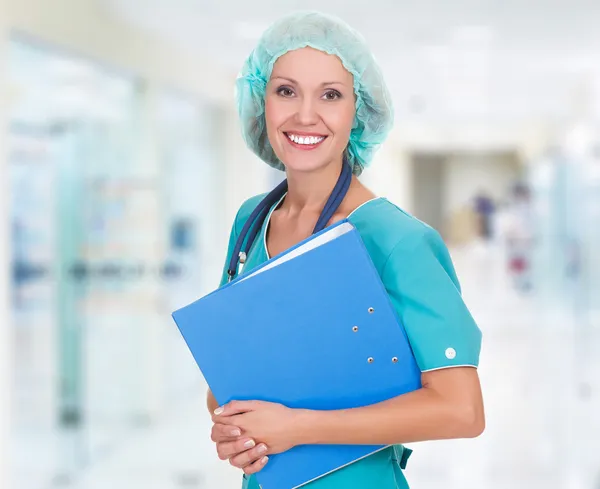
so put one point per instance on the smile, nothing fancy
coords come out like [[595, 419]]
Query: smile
[[305, 141]]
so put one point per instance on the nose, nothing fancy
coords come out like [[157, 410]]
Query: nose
[[307, 112]]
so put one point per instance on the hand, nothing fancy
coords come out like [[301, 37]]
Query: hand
[[241, 452], [224, 432], [274, 425]]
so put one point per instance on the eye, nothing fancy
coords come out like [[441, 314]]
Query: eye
[[285, 91], [332, 95]]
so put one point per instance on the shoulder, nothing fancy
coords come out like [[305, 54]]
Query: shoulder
[[387, 229], [245, 210]]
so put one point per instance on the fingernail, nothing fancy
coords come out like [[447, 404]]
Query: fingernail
[[249, 444], [264, 460], [262, 448], [219, 410], [236, 433]]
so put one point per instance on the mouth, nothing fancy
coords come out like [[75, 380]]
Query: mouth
[[304, 141]]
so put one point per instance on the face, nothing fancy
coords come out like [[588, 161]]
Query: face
[[309, 109]]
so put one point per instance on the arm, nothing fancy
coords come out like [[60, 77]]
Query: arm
[[422, 283], [449, 405]]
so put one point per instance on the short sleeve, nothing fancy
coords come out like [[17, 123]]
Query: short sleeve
[[424, 289]]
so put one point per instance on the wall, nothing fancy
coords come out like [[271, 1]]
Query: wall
[[390, 175], [5, 327], [429, 177], [88, 29], [466, 173], [444, 184]]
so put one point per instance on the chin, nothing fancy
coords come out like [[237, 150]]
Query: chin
[[308, 162], [305, 164]]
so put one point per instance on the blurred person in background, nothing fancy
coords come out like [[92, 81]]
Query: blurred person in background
[[311, 99], [519, 237], [485, 208]]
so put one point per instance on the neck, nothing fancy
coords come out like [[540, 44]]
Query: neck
[[310, 190]]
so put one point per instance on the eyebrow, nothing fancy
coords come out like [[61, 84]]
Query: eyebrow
[[296, 83]]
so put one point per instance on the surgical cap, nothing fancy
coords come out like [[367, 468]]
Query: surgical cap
[[374, 112]]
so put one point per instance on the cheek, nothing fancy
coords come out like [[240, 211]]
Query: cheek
[[275, 114], [271, 121], [342, 120], [269, 115]]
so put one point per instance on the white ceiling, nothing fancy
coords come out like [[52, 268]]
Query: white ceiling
[[455, 62]]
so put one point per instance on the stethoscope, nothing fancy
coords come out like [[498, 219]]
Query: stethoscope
[[258, 216]]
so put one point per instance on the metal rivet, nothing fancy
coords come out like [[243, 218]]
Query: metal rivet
[[395, 359], [370, 360], [371, 310], [355, 328]]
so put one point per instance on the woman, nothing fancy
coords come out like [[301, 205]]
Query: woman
[[312, 99]]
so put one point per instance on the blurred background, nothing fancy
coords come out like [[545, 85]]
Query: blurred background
[[122, 167]]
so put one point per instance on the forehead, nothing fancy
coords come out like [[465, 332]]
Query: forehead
[[309, 65]]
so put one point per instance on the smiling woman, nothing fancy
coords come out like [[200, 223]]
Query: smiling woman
[[313, 103], [353, 75]]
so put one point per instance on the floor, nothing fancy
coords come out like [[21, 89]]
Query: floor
[[540, 372]]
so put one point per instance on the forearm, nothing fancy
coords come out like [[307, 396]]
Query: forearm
[[418, 416]]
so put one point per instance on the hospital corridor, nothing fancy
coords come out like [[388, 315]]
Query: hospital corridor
[[122, 168]]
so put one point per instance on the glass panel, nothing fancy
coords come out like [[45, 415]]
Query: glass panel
[[192, 209], [72, 134], [115, 199]]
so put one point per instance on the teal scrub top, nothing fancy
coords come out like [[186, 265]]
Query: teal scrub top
[[416, 269]]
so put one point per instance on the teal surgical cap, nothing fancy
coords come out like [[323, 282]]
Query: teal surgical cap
[[374, 111]]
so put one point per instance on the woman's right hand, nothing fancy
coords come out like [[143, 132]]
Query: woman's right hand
[[242, 452]]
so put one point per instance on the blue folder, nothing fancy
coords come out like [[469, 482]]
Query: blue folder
[[311, 328]]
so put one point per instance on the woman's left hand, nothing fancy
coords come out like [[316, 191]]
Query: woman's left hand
[[270, 423]]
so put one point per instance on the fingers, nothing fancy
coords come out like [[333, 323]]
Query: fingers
[[229, 449], [249, 457], [256, 466], [231, 421], [236, 407], [221, 432]]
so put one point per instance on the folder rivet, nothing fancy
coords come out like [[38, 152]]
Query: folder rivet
[[355, 328], [370, 360], [371, 310], [395, 359]]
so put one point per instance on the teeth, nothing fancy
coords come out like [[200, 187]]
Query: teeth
[[305, 139]]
